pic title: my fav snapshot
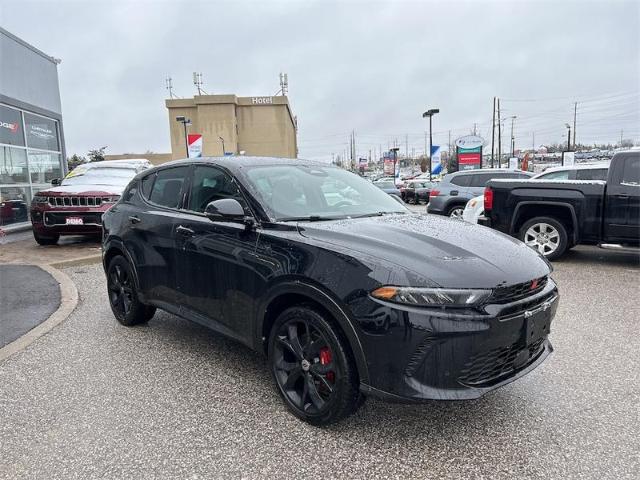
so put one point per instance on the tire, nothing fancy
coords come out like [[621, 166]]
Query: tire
[[455, 211], [123, 297], [312, 366], [45, 240], [546, 235]]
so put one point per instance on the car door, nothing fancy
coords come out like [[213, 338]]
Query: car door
[[622, 210], [217, 275], [150, 238]]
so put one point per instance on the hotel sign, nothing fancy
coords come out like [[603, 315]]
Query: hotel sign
[[262, 100]]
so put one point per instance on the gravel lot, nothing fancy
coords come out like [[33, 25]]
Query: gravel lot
[[171, 400]]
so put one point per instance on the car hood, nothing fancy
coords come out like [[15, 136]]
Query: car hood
[[433, 250], [96, 190]]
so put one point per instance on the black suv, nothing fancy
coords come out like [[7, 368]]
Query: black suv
[[345, 290], [456, 189]]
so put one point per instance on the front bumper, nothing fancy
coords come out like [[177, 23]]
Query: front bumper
[[416, 355], [47, 220]]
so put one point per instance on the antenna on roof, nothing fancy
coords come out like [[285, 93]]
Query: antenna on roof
[[197, 81], [169, 86], [284, 85]]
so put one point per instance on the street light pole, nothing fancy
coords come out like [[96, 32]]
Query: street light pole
[[513, 140], [430, 113], [185, 121]]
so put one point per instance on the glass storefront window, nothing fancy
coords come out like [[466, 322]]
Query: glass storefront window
[[14, 205], [11, 126], [13, 165], [41, 133], [44, 167]]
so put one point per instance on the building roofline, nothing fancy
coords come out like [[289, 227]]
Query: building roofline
[[16, 39]]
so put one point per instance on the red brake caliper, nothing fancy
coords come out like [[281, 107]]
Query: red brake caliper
[[325, 359]]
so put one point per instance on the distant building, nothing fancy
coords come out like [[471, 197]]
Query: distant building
[[31, 136], [261, 126]]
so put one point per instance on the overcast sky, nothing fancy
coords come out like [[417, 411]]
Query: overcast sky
[[372, 67]]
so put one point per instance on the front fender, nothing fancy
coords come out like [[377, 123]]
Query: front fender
[[318, 294]]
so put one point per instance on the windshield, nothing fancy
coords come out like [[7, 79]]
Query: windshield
[[101, 176], [290, 192]]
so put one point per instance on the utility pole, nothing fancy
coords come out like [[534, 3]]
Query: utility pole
[[533, 141], [575, 113], [621, 133], [449, 144], [513, 140], [493, 130], [499, 135], [475, 125]]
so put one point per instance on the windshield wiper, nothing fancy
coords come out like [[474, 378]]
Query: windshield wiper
[[308, 218], [375, 214]]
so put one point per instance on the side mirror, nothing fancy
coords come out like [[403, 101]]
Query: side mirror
[[56, 182], [225, 209]]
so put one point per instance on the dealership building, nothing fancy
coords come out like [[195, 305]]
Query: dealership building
[[31, 135]]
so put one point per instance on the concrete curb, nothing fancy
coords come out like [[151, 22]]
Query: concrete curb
[[68, 303]]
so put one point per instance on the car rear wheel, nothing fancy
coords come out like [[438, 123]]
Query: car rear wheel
[[456, 212], [45, 240], [123, 297], [313, 367], [546, 235]]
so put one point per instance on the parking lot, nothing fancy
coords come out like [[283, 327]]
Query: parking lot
[[172, 400]]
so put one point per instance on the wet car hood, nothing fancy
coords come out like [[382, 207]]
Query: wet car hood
[[435, 250], [83, 190]]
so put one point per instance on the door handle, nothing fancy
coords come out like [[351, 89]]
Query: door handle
[[623, 197], [133, 219], [187, 232], [453, 192]]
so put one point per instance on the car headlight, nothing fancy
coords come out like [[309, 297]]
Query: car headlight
[[40, 199], [432, 297]]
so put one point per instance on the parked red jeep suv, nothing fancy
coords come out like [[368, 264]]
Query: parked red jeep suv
[[75, 205]]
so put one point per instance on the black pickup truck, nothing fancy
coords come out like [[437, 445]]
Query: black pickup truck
[[554, 215]]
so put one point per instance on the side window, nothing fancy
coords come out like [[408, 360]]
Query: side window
[[147, 183], [631, 172], [563, 175], [461, 180], [168, 187], [592, 174], [210, 184], [481, 180]]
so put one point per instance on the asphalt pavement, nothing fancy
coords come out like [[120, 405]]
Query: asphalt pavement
[[28, 296], [93, 399]]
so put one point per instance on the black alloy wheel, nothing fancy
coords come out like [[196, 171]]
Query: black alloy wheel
[[123, 297], [312, 367]]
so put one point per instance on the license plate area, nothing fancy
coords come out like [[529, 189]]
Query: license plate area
[[537, 326], [74, 221]]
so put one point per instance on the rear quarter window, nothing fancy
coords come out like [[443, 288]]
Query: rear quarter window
[[461, 180], [631, 172], [147, 184], [592, 174]]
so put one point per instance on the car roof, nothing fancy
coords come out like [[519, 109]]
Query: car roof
[[485, 170], [589, 166], [235, 163], [131, 163]]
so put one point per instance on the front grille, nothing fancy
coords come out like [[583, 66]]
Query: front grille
[[493, 365], [76, 201], [60, 218], [517, 292]]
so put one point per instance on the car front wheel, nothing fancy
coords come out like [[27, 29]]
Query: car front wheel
[[546, 235], [123, 297], [313, 367]]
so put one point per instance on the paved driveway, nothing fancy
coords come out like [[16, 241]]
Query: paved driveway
[[171, 400], [28, 295]]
